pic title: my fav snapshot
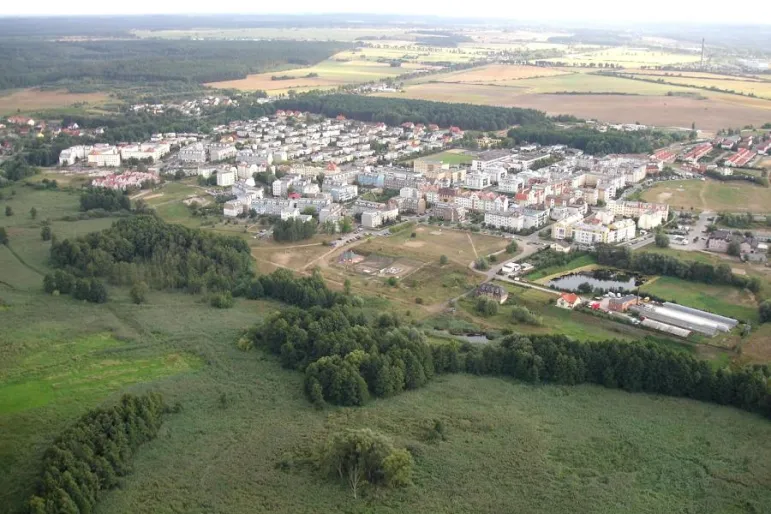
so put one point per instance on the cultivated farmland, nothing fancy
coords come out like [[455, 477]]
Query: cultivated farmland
[[30, 100], [330, 73]]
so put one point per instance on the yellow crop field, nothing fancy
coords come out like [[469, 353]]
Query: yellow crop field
[[329, 73], [494, 74], [34, 99], [755, 87], [629, 57]]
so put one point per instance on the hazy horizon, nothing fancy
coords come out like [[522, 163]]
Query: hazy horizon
[[590, 12]]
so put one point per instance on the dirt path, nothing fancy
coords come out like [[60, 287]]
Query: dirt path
[[476, 255]]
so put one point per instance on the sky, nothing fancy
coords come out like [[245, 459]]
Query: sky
[[600, 11]]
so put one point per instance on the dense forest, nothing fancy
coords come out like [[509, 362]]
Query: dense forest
[[348, 358], [166, 256], [592, 141], [395, 111], [25, 63], [94, 453], [649, 263]]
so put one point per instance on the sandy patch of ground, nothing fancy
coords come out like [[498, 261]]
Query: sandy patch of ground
[[663, 197], [150, 197], [414, 244]]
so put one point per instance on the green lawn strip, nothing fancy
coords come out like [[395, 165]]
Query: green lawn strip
[[578, 262], [724, 300]]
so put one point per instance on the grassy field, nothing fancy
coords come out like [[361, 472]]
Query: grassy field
[[579, 325], [31, 100], [510, 447], [452, 157], [712, 195], [578, 262], [331, 73], [725, 300]]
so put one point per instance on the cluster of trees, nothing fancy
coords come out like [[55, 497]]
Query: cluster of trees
[[486, 306], [592, 141], [346, 357], [764, 310], [657, 264], [661, 240], [94, 453], [293, 229], [166, 256], [746, 220], [39, 62], [761, 180], [15, 169], [88, 289], [395, 111], [548, 257], [304, 292], [364, 457], [522, 314], [103, 198]]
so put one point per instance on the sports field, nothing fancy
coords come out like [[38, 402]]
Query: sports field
[[33, 99], [451, 157], [711, 195]]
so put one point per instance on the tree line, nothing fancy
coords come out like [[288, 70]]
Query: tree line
[[293, 229], [649, 263], [593, 141], [348, 358], [395, 111], [93, 454], [166, 256], [103, 198], [25, 63]]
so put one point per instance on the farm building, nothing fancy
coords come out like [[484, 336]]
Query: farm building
[[622, 304], [568, 301], [493, 292], [686, 317]]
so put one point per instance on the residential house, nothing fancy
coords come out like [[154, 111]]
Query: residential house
[[568, 301], [493, 292]]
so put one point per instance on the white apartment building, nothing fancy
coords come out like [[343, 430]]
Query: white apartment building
[[233, 208], [563, 229], [511, 184], [104, 156], [477, 180], [332, 212], [374, 219], [509, 220], [344, 193], [71, 155], [154, 151], [226, 178], [219, 151], [193, 153]]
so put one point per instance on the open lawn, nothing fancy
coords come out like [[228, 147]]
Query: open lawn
[[431, 243], [724, 300], [578, 262], [331, 73], [452, 157], [711, 195], [33, 99]]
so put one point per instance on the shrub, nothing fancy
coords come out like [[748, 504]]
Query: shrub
[[443, 260], [139, 292], [221, 300]]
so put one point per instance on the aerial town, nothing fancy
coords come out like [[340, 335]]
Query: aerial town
[[303, 263]]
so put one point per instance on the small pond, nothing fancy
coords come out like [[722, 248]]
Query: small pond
[[601, 279]]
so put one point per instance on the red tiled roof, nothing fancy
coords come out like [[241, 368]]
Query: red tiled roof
[[571, 298]]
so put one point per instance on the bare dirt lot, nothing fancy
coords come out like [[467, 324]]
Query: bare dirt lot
[[34, 99]]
